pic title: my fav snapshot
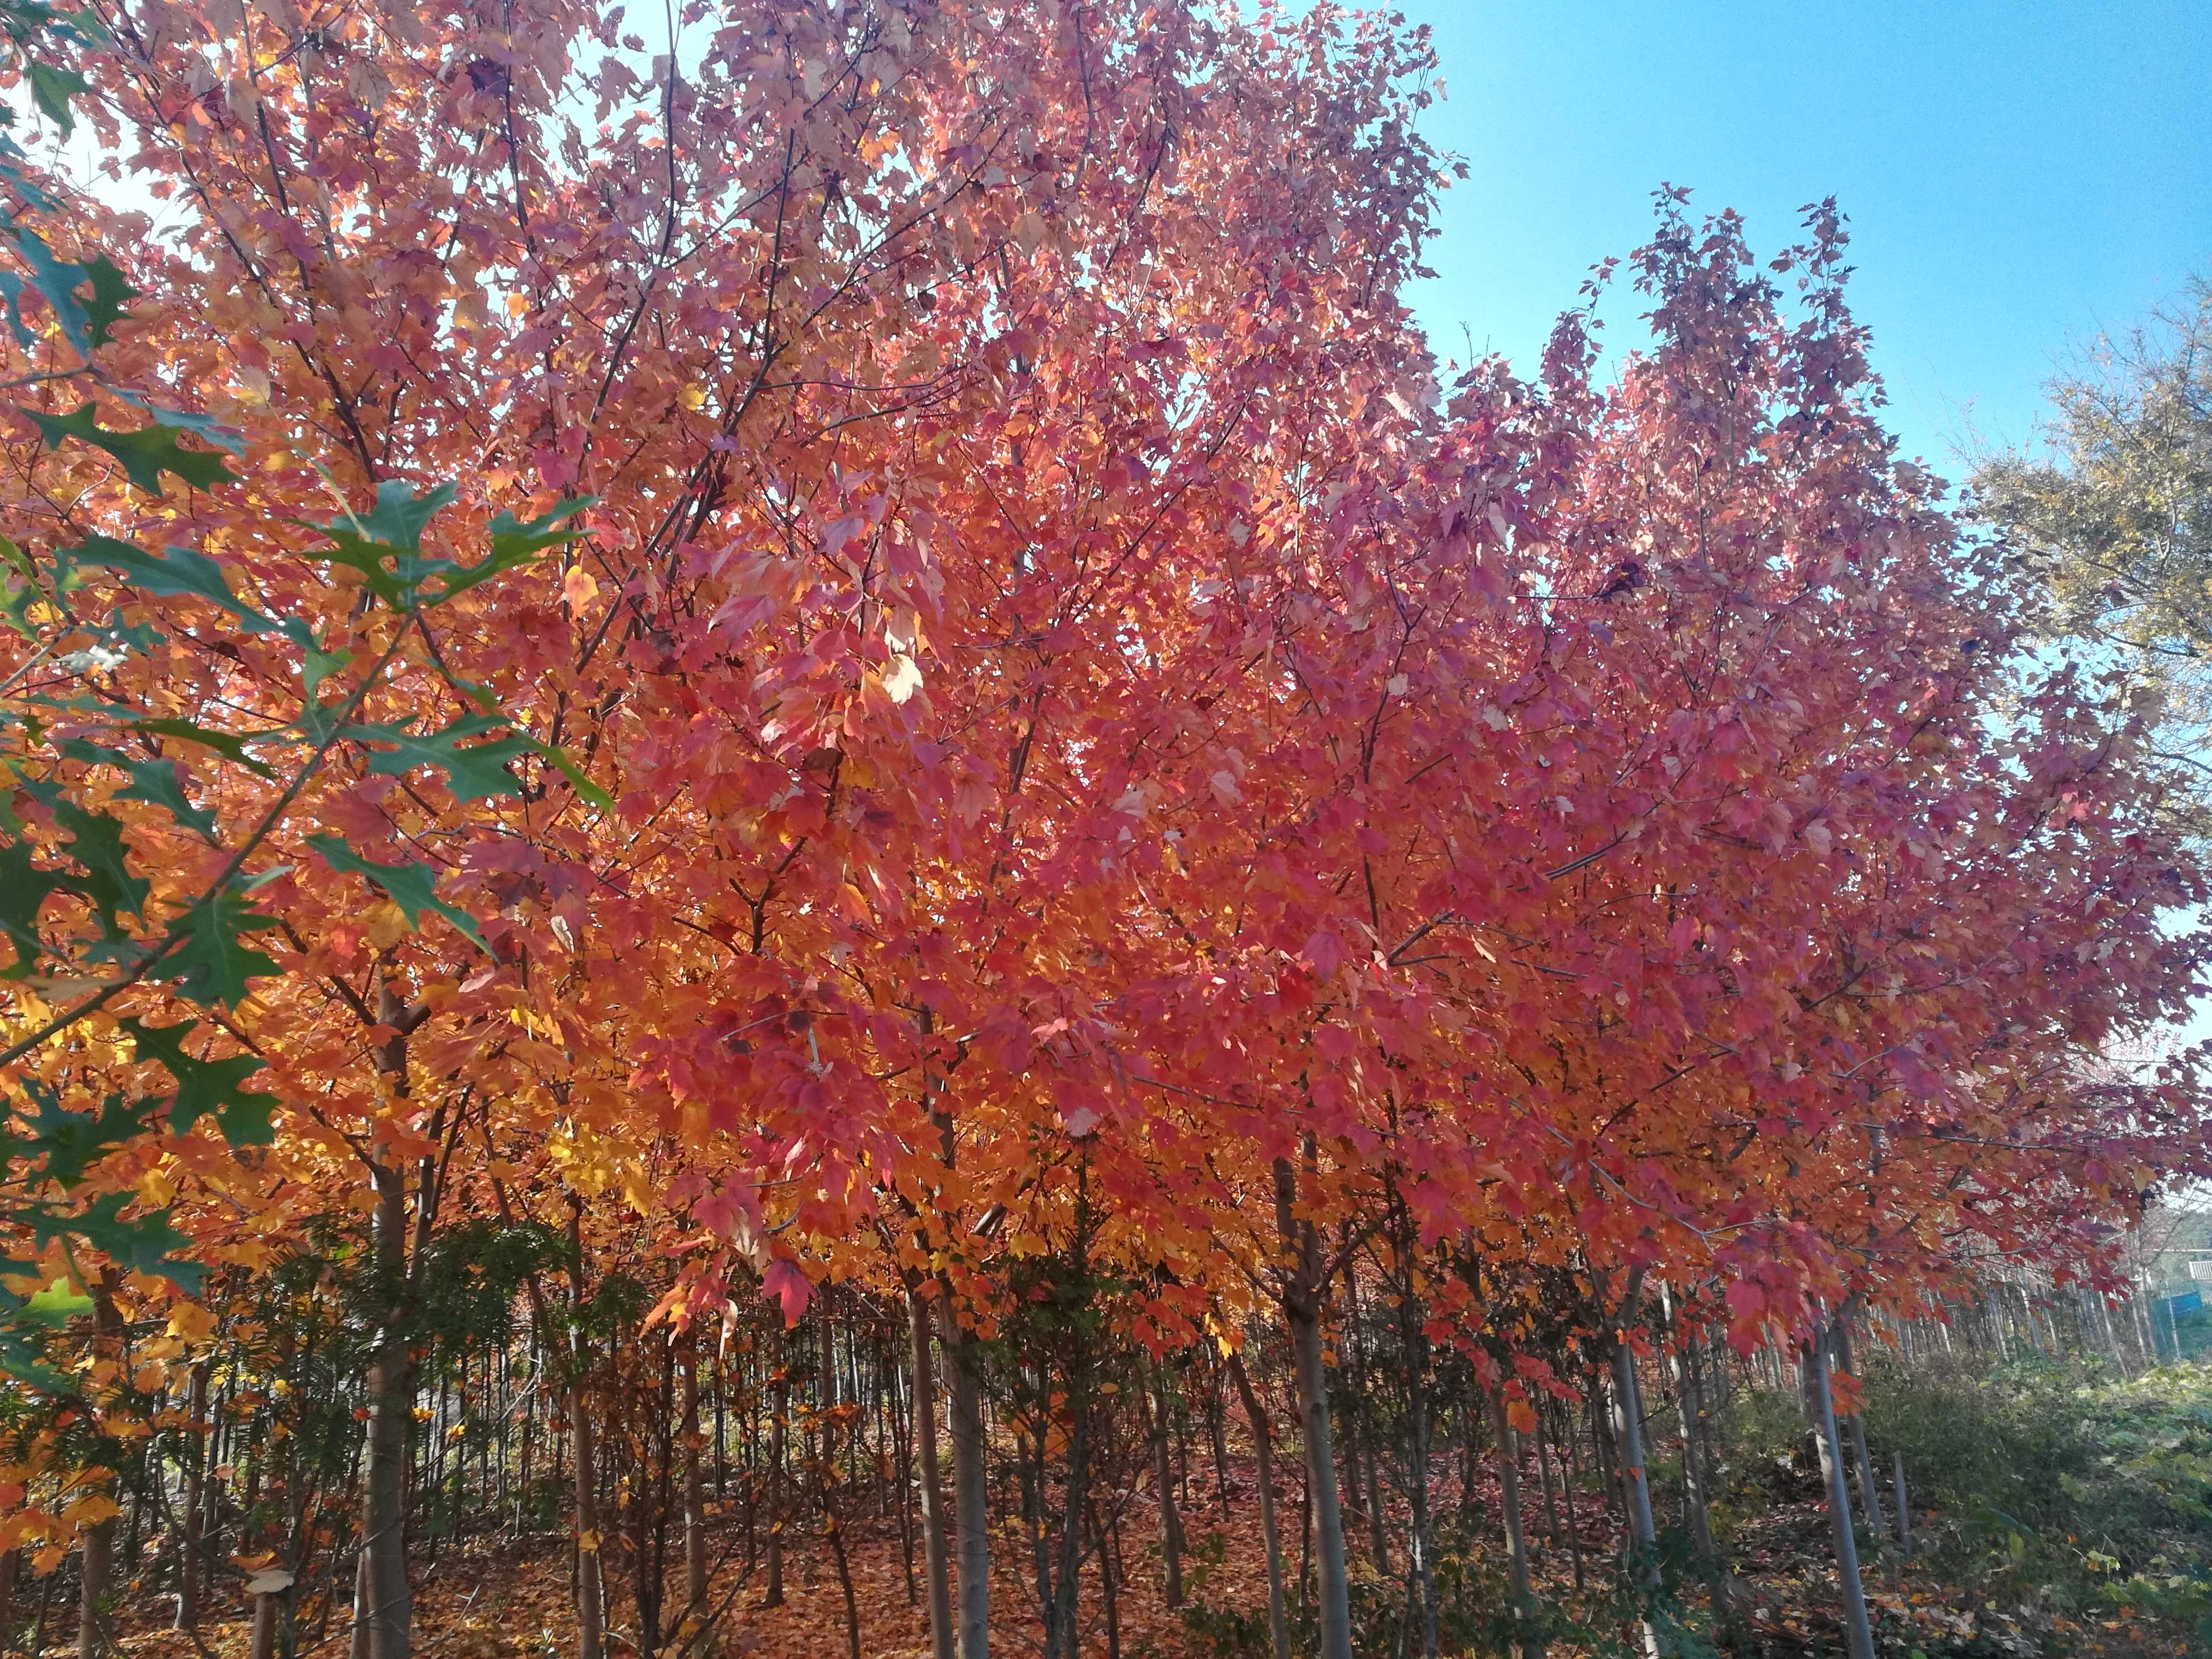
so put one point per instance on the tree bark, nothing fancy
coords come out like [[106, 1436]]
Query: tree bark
[[1301, 1301], [971, 1498], [1163, 1477], [935, 1568], [389, 1615], [1862, 1464], [591, 1585], [189, 1518], [1636, 1492], [1516, 1535], [1857, 1627], [778, 1436], [694, 1493], [591, 1609], [1689, 1394]]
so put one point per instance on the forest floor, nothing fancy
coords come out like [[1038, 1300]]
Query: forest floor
[[1978, 1590]]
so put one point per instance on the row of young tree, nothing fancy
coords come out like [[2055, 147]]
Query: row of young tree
[[687, 1465], [910, 702]]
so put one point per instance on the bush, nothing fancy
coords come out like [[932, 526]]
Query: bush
[[2047, 1480]]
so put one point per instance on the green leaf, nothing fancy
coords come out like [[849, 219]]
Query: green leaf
[[143, 1243], [145, 454], [227, 744], [207, 1086], [213, 962], [162, 783], [11, 289], [205, 426], [50, 90], [392, 531], [182, 571], [111, 296], [96, 842], [515, 543], [57, 280], [57, 1305], [24, 888], [577, 779], [71, 1142], [472, 773], [400, 516], [412, 887], [179, 570]]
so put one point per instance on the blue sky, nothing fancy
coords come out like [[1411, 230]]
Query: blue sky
[[2016, 175]]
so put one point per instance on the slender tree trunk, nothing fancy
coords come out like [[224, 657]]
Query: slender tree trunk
[[1301, 1313], [1550, 1483], [189, 1516], [1904, 1511], [591, 1583], [1163, 1477], [1857, 1627], [1278, 1625], [1062, 1638], [391, 1602], [1862, 1464], [826, 1473], [1691, 1397], [1516, 1536], [591, 1609], [1643, 1535], [778, 1436], [971, 1498], [694, 1491], [1109, 1580], [1571, 1480], [935, 1568]]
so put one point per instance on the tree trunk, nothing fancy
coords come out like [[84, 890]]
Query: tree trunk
[[1516, 1536], [189, 1519], [1571, 1480], [591, 1607], [1689, 1392], [1857, 1627], [591, 1583], [934, 1566], [779, 1436], [1278, 1625], [971, 1498], [1301, 1313], [695, 1493], [1062, 1637], [1904, 1512], [1643, 1535], [1163, 1477], [95, 1621], [389, 1615], [1862, 1464]]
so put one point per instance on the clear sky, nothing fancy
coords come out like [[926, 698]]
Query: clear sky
[[2016, 174]]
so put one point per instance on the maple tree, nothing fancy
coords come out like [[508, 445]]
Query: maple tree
[[906, 722]]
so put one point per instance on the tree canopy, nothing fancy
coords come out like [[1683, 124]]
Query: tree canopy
[[857, 645]]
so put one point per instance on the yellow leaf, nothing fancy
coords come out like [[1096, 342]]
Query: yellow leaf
[[578, 589], [191, 1322], [384, 923], [91, 1510]]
